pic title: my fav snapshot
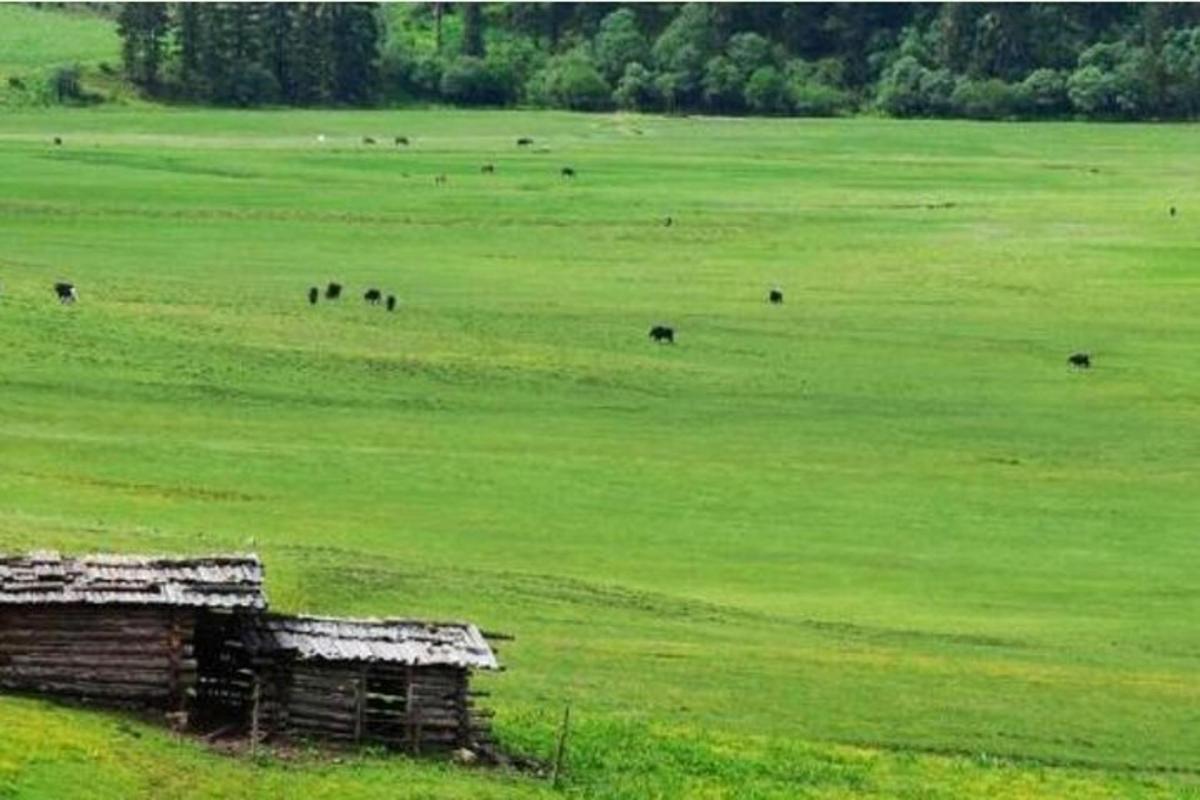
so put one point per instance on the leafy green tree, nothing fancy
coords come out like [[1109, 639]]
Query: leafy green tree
[[472, 81], [636, 90], [1045, 93], [766, 91], [681, 52], [724, 85], [1181, 66], [749, 52], [619, 43], [571, 81], [1111, 82]]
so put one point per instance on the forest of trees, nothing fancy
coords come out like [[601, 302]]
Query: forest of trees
[[983, 61]]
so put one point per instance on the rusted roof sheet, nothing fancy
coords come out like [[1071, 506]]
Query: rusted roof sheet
[[375, 640], [228, 581]]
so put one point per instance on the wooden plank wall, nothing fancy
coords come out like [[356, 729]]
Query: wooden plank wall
[[125, 655], [417, 709]]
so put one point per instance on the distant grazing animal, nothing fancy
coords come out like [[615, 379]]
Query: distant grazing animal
[[1081, 360], [775, 296], [391, 302], [440, 180], [568, 172], [313, 294], [58, 140], [373, 296], [668, 222], [524, 141], [488, 169], [66, 292], [663, 333], [368, 140], [333, 291], [402, 140], [1172, 211]]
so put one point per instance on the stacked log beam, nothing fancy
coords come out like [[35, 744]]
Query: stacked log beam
[[120, 654]]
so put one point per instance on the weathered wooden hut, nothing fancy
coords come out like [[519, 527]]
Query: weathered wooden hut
[[117, 629], [402, 684]]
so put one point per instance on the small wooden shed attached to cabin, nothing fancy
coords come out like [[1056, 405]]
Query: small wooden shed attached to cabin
[[117, 629], [402, 684]]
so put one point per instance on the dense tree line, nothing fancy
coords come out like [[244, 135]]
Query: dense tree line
[[1002, 60]]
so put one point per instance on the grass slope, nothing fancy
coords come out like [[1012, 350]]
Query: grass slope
[[785, 556], [34, 42]]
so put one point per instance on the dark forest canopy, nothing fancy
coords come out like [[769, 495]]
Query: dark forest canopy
[[987, 61]]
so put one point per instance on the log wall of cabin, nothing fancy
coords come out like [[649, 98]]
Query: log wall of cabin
[[124, 655], [417, 709]]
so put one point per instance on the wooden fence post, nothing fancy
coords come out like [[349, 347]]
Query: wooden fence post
[[254, 712], [561, 751]]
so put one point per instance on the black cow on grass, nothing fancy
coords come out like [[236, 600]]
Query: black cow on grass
[[402, 140], [775, 296], [663, 333], [313, 294], [373, 296], [439, 180], [488, 169], [568, 172], [1080, 360], [1172, 211], [524, 141], [333, 291], [58, 140], [65, 292], [391, 302], [368, 140]]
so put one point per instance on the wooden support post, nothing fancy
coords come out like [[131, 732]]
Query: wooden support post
[[254, 712], [411, 731], [360, 704], [561, 751]]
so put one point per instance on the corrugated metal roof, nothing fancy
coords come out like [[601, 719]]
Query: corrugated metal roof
[[224, 581], [376, 640]]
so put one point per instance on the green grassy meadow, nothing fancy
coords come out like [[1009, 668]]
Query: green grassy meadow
[[877, 542]]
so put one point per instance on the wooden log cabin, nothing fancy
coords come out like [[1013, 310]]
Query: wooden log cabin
[[192, 635], [117, 630], [401, 684]]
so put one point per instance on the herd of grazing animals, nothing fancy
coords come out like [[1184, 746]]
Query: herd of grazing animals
[[663, 334]]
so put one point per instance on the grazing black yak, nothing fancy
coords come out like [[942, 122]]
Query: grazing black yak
[[439, 180], [488, 169], [391, 302], [402, 140], [333, 291], [663, 333], [568, 172], [58, 140], [1172, 211], [775, 296], [373, 296], [65, 292], [524, 141], [1081, 360], [368, 140], [313, 294]]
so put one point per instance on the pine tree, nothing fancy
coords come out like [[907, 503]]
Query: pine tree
[[472, 44], [355, 49], [143, 28]]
